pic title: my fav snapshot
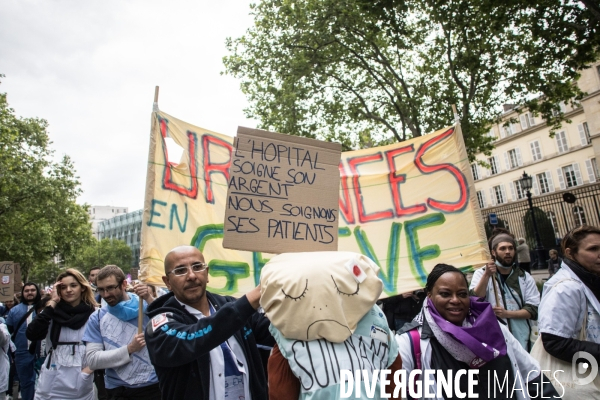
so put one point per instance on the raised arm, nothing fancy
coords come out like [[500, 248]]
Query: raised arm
[[172, 342]]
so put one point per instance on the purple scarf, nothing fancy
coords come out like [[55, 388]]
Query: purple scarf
[[483, 337]]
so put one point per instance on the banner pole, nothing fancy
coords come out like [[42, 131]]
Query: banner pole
[[456, 118], [495, 290], [141, 301]]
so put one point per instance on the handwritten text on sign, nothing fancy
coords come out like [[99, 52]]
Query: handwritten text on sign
[[283, 193], [7, 288]]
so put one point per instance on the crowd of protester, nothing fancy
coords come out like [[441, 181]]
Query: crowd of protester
[[78, 339]]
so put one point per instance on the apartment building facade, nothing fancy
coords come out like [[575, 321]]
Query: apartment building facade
[[566, 163]]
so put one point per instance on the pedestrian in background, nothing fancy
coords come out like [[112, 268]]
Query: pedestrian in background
[[18, 318], [4, 310], [65, 374], [554, 263], [4, 359], [523, 256]]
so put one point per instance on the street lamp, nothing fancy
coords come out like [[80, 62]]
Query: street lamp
[[526, 183]]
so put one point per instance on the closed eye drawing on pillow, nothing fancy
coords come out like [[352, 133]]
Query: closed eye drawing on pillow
[[344, 293], [299, 297]]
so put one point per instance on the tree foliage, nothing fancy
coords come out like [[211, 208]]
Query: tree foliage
[[39, 218], [545, 229], [367, 72], [101, 253]]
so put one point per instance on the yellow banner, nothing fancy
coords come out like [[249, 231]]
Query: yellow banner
[[408, 206]]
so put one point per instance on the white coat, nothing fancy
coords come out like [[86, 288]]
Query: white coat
[[521, 362], [4, 362], [563, 306], [521, 328], [529, 290], [63, 378]]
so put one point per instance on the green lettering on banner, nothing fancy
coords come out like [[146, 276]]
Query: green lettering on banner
[[154, 213], [232, 271], [419, 254], [390, 276]]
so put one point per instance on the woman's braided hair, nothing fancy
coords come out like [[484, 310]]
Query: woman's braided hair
[[439, 270]]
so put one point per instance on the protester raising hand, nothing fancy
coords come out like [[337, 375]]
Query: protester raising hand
[[142, 290], [62, 323], [54, 295]]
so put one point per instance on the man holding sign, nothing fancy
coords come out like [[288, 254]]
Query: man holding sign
[[204, 346]]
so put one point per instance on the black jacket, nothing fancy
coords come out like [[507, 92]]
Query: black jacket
[[179, 344]]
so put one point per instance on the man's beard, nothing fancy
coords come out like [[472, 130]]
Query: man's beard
[[503, 262]]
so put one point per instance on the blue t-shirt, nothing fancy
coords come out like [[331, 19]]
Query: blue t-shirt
[[14, 316], [112, 333]]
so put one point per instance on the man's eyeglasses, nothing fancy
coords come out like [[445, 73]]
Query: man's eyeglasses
[[196, 267], [108, 289]]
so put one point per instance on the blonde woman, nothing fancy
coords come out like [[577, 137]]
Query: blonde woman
[[62, 322]]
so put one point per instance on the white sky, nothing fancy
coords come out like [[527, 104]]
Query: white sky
[[89, 67]]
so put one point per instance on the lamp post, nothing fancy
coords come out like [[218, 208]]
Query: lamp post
[[526, 183]]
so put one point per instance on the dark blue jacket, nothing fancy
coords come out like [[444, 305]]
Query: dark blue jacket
[[181, 357], [14, 316]]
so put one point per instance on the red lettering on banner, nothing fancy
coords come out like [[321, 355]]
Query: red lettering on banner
[[346, 204], [353, 164], [210, 168], [168, 183], [453, 170], [397, 179]]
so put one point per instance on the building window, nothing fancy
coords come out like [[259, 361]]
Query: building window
[[561, 142], [481, 199], [595, 167], [570, 178], [552, 217], [519, 190], [514, 158], [584, 133], [536, 151], [493, 165], [527, 120], [543, 183], [579, 215], [475, 170], [499, 193], [507, 130]]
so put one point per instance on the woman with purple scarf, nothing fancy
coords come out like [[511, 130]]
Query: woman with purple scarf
[[456, 333]]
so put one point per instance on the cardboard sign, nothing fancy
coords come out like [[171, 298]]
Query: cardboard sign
[[283, 193], [7, 285], [18, 279]]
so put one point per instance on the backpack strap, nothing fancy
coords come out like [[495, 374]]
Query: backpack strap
[[21, 321], [415, 341]]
